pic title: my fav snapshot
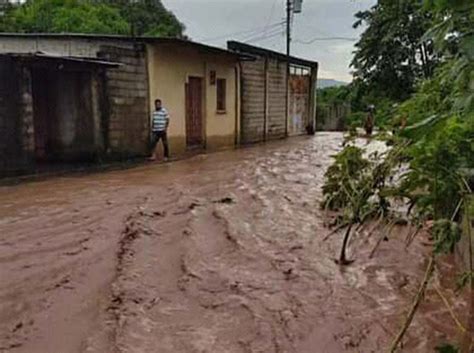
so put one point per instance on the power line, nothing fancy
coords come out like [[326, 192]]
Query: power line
[[324, 35], [265, 37], [272, 11], [246, 32], [262, 34], [350, 39]]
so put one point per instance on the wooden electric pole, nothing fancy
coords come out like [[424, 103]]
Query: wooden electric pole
[[288, 28], [288, 54]]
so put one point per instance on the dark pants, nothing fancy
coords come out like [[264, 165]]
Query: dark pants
[[160, 135]]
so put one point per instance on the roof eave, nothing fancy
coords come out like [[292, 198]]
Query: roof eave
[[247, 49]]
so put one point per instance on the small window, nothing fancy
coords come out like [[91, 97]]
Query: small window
[[221, 95]]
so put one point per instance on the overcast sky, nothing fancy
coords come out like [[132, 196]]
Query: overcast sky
[[256, 21]]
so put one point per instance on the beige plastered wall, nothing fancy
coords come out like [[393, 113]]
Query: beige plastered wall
[[169, 67]]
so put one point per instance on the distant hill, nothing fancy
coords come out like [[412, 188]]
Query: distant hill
[[328, 82]]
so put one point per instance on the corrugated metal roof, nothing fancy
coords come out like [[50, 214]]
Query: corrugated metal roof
[[244, 48], [143, 39], [71, 59]]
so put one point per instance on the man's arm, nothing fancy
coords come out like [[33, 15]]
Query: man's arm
[[167, 120]]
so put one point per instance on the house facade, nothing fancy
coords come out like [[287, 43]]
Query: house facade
[[278, 94], [197, 85], [68, 98], [73, 98]]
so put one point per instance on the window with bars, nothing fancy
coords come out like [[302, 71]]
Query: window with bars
[[221, 95]]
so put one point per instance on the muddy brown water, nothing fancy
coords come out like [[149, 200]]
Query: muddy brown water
[[220, 253]]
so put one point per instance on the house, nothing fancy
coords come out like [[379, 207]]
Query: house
[[74, 97], [275, 103], [198, 86]]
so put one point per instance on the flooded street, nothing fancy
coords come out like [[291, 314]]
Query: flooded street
[[221, 253]]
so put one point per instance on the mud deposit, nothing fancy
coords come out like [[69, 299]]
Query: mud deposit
[[218, 254]]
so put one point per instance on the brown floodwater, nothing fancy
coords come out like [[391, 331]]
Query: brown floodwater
[[220, 253]]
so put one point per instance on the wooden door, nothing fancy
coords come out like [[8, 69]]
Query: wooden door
[[194, 124]]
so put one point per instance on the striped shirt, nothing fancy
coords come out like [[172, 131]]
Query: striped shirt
[[160, 120]]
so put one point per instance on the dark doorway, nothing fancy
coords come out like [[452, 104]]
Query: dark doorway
[[194, 124], [11, 127], [63, 115]]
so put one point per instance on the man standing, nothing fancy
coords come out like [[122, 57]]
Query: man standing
[[370, 121], [159, 127]]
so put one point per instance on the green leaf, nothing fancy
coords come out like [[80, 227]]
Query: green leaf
[[446, 235], [421, 128], [467, 46]]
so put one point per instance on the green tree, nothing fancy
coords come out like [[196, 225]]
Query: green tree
[[390, 56], [453, 36], [441, 114], [56, 16], [149, 18], [438, 143], [125, 17]]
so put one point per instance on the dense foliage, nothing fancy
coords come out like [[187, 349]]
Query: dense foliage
[[347, 171], [391, 49], [415, 62], [149, 18], [144, 17], [439, 114], [63, 16]]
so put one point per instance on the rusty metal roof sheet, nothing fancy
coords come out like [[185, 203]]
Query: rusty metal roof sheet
[[70, 59]]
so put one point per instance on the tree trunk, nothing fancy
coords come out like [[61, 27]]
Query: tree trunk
[[342, 258]]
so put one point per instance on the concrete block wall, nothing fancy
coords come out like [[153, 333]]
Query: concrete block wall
[[276, 99], [253, 77], [264, 90], [125, 128], [332, 117], [127, 94]]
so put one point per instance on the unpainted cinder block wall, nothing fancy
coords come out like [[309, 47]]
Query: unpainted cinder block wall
[[253, 109], [276, 93], [125, 110], [128, 105], [263, 85]]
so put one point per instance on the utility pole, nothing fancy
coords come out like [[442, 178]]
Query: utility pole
[[288, 54], [292, 7], [288, 28]]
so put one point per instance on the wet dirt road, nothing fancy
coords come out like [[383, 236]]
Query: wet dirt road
[[221, 253]]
